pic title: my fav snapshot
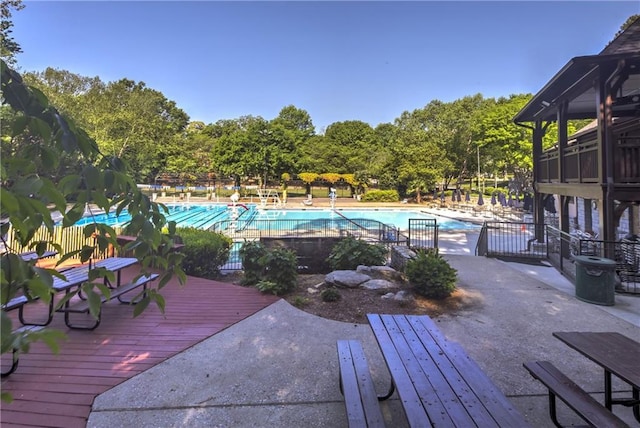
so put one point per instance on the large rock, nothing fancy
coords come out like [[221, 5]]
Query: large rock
[[378, 284], [380, 272], [346, 278]]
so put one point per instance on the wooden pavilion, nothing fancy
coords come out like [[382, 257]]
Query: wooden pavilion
[[598, 168]]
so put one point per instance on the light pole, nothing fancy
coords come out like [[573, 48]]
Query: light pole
[[478, 151]]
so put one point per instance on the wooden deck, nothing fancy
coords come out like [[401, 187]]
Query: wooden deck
[[57, 390]]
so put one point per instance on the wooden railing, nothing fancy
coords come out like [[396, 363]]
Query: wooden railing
[[580, 161]]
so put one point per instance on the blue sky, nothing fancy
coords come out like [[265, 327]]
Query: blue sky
[[339, 61]]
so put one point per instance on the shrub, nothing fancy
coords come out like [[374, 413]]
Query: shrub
[[268, 287], [250, 255], [430, 275], [300, 302], [330, 295], [280, 266], [381, 196], [350, 252], [274, 271], [204, 251]]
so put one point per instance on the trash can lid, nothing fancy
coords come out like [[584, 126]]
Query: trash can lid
[[594, 261]]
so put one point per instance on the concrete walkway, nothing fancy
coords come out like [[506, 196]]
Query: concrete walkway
[[279, 367]]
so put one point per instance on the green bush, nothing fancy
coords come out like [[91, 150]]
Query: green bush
[[280, 267], [330, 295], [250, 254], [204, 252], [430, 275], [350, 252], [381, 196], [273, 271]]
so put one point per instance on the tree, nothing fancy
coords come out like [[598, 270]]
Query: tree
[[28, 193], [126, 118], [308, 178], [350, 144], [192, 153], [297, 120], [416, 160], [8, 46]]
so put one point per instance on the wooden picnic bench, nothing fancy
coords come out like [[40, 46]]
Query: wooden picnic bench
[[617, 354], [576, 398], [33, 255], [437, 382], [83, 307], [73, 278], [356, 384], [15, 353]]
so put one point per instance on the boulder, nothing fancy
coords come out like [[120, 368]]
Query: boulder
[[378, 284], [346, 278], [403, 296], [380, 272]]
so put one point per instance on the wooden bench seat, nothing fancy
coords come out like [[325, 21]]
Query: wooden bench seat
[[15, 354], [19, 303], [575, 397], [16, 303], [356, 384], [83, 306]]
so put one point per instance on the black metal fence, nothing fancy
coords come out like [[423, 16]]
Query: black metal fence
[[423, 233], [517, 240], [510, 240], [626, 254], [242, 231]]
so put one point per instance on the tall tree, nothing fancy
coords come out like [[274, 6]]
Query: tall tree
[[297, 120], [417, 162], [348, 146], [126, 118], [9, 48]]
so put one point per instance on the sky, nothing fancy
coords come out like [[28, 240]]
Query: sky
[[339, 61]]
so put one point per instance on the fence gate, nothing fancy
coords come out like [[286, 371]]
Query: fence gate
[[423, 233]]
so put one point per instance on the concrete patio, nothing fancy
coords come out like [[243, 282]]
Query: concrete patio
[[279, 366]]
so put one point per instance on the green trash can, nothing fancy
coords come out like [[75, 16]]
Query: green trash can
[[595, 280]]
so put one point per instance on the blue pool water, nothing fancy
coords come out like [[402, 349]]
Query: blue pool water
[[205, 216]]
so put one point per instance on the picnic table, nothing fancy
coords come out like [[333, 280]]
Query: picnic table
[[617, 354], [33, 255], [74, 278], [437, 382]]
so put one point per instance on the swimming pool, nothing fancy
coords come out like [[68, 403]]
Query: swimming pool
[[205, 216]]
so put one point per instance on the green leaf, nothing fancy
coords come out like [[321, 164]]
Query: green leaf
[[19, 125], [95, 301], [52, 338], [72, 216], [67, 256], [8, 201], [70, 184], [53, 195], [28, 185], [92, 177], [49, 158], [41, 128], [141, 306], [40, 97], [41, 287]]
